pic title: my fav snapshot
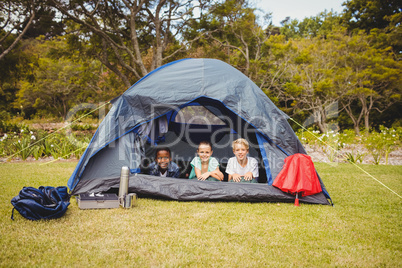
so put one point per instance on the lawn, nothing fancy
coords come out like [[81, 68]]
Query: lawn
[[363, 229]]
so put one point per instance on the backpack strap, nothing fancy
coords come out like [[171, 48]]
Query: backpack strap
[[12, 214]]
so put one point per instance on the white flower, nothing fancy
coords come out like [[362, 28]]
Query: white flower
[[19, 141], [393, 135], [5, 136], [22, 130], [33, 137], [51, 145], [31, 132]]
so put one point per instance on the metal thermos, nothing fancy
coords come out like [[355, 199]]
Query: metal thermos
[[123, 188]]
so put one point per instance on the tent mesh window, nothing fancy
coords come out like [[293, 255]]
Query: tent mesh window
[[197, 115]]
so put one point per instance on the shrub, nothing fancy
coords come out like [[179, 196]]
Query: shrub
[[38, 143], [82, 127], [308, 137], [391, 139], [381, 144], [354, 157]]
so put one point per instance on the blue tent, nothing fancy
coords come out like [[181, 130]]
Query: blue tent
[[178, 105]]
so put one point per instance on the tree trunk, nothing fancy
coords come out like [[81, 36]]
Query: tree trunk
[[367, 114], [356, 121], [320, 118]]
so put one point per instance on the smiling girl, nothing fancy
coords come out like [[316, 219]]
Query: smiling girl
[[205, 167]]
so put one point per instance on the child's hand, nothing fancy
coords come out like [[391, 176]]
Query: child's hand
[[248, 176], [236, 177], [204, 176]]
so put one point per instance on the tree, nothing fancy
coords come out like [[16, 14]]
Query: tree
[[45, 23], [369, 14], [131, 37], [16, 16], [370, 77], [233, 26], [320, 25], [62, 79], [270, 71], [307, 84]]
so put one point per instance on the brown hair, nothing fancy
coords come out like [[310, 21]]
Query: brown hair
[[206, 143]]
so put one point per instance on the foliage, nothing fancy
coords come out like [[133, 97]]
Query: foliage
[[307, 82], [37, 144], [82, 127], [304, 67], [13, 67], [368, 76], [45, 23], [130, 38], [381, 144], [8, 127], [369, 14], [308, 75], [321, 25], [16, 16], [353, 148], [391, 139], [354, 157], [234, 28], [62, 80]]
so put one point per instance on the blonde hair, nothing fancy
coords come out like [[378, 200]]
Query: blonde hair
[[242, 142]]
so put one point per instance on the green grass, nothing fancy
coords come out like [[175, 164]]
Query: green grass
[[363, 229]]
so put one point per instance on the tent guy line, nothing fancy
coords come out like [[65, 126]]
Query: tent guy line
[[344, 156]]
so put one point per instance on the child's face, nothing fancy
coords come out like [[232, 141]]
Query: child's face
[[163, 159], [204, 152], [240, 151]]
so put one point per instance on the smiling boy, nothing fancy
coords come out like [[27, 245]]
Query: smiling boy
[[163, 165], [242, 168]]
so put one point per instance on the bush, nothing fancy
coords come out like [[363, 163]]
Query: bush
[[82, 127], [381, 144], [38, 143], [376, 144]]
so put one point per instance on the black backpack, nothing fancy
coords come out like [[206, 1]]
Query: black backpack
[[43, 203]]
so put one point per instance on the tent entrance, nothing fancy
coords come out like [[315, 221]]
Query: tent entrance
[[209, 120]]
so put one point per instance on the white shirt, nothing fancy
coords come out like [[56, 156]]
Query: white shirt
[[234, 167]]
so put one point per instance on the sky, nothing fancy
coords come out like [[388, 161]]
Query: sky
[[297, 9]]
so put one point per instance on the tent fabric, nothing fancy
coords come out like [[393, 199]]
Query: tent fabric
[[298, 176], [193, 190], [224, 91]]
